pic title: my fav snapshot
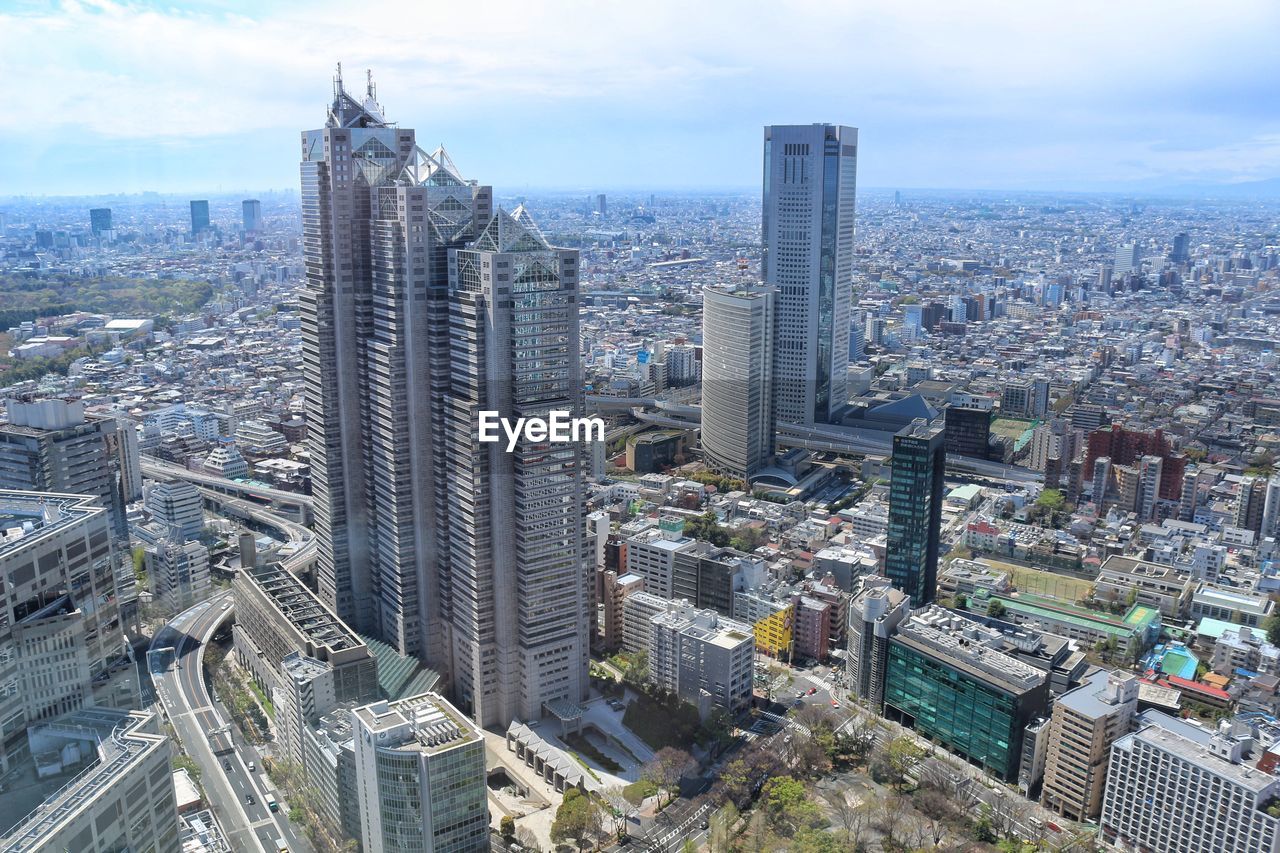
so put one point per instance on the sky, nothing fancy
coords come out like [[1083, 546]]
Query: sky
[[111, 96]]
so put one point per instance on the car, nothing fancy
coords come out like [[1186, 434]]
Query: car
[[835, 704], [252, 767], [226, 765], [249, 800], [812, 690], [704, 825]]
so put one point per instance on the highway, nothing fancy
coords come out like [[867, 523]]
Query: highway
[[186, 703], [213, 489], [158, 469]]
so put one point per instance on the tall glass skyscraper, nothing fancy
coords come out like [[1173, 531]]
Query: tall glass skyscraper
[[737, 380], [199, 216], [810, 182], [379, 215], [518, 606], [422, 308], [915, 510]]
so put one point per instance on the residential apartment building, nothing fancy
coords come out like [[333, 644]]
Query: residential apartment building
[[1173, 786], [1085, 723]]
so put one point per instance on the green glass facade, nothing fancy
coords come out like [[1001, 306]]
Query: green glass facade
[[915, 511], [974, 718]]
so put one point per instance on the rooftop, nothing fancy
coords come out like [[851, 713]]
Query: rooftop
[[300, 606], [425, 723], [26, 516]]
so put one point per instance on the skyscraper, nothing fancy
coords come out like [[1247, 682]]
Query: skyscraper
[[199, 216], [810, 178], [737, 386], [1181, 248], [379, 215], [420, 777], [915, 510], [100, 219], [252, 213], [517, 580], [1127, 259]]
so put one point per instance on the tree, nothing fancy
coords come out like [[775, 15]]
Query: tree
[[577, 819], [507, 827], [903, 755], [526, 839], [851, 817], [788, 805], [1051, 499], [1273, 630], [996, 608], [666, 769]]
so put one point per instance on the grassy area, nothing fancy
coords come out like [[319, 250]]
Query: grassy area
[[579, 741], [636, 792], [1061, 587], [266, 702]]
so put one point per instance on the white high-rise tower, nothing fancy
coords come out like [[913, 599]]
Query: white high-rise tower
[[810, 181]]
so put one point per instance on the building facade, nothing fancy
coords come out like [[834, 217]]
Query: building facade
[[420, 777], [810, 182], [915, 510], [517, 586], [737, 380]]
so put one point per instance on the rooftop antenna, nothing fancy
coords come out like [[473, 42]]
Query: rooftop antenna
[[337, 83], [370, 89]]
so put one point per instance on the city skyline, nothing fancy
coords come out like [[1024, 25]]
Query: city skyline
[[944, 98]]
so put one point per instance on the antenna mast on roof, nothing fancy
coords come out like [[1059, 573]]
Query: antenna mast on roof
[[337, 83], [371, 90]]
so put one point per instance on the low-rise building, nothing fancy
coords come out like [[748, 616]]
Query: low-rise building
[[951, 679]]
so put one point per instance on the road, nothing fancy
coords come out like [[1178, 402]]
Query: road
[[190, 710], [211, 488], [159, 469]]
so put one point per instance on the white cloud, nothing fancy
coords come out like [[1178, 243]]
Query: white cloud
[[1096, 79]]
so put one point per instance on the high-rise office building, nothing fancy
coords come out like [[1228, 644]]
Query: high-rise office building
[[59, 612], [51, 446], [199, 216], [737, 380], [602, 205], [915, 510], [810, 180], [379, 215], [518, 575], [252, 214], [968, 429], [420, 777], [99, 219], [1181, 248], [1127, 259]]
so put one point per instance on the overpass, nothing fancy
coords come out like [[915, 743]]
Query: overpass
[[294, 506]]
